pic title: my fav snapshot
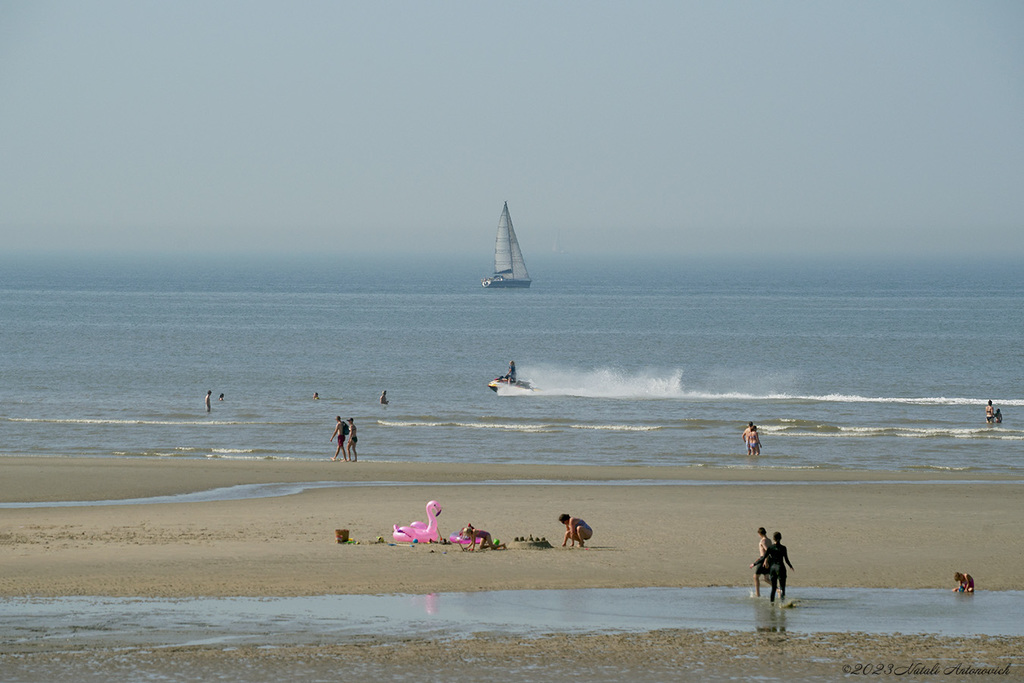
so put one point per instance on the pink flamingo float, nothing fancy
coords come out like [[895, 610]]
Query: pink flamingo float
[[421, 532]]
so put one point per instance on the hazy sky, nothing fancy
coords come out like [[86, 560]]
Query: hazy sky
[[640, 127]]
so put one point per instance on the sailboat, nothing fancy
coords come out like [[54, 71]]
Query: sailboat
[[509, 267]]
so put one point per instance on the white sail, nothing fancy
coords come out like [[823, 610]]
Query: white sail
[[508, 258]]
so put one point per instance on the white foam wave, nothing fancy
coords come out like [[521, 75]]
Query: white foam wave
[[847, 398], [105, 421], [514, 391], [901, 432], [470, 425], [187, 452], [907, 400], [528, 427], [619, 428]]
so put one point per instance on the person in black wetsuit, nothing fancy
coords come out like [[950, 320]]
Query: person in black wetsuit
[[777, 558]]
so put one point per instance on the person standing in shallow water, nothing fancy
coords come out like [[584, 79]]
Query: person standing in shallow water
[[776, 557], [753, 440], [759, 569], [989, 412], [746, 436], [209, 393]]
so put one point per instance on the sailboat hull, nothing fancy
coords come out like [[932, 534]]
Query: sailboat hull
[[504, 282]]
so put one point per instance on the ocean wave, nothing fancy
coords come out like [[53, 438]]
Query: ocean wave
[[834, 431], [209, 453], [907, 400], [108, 421], [618, 428], [844, 398], [174, 453], [470, 425], [513, 427], [247, 456], [941, 468]]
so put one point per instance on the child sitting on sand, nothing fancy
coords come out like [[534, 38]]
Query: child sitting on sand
[[965, 583]]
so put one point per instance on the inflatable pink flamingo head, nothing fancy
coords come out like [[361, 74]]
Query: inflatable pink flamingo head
[[418, 531]]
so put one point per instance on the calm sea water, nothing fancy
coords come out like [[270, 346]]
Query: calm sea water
[[860, 366]]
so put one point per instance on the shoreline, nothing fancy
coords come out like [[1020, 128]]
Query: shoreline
[[55, 478], [877, 533]]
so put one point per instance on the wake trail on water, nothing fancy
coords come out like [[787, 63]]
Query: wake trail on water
[[607, 383], [669, 384]]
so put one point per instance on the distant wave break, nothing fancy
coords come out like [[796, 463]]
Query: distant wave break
[[526, 427], [831, 431]]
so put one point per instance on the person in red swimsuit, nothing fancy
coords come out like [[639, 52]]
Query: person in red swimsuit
[[340, 430]]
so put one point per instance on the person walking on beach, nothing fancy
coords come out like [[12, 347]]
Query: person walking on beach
[[989, 412], [340, 430], [352, 440], [209, 393], [762, 568], [575, 530], [776, 557]]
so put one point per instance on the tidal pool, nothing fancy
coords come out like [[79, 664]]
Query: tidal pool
[[104, 621]]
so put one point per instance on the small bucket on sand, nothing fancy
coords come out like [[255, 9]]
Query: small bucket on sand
[[341, 535]]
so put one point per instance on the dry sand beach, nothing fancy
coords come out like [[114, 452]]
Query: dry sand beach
[[846, 529]]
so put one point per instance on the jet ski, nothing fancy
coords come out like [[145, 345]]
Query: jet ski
[[504, 382]]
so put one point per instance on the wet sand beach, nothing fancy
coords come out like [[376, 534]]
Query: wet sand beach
[[843, 529]]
